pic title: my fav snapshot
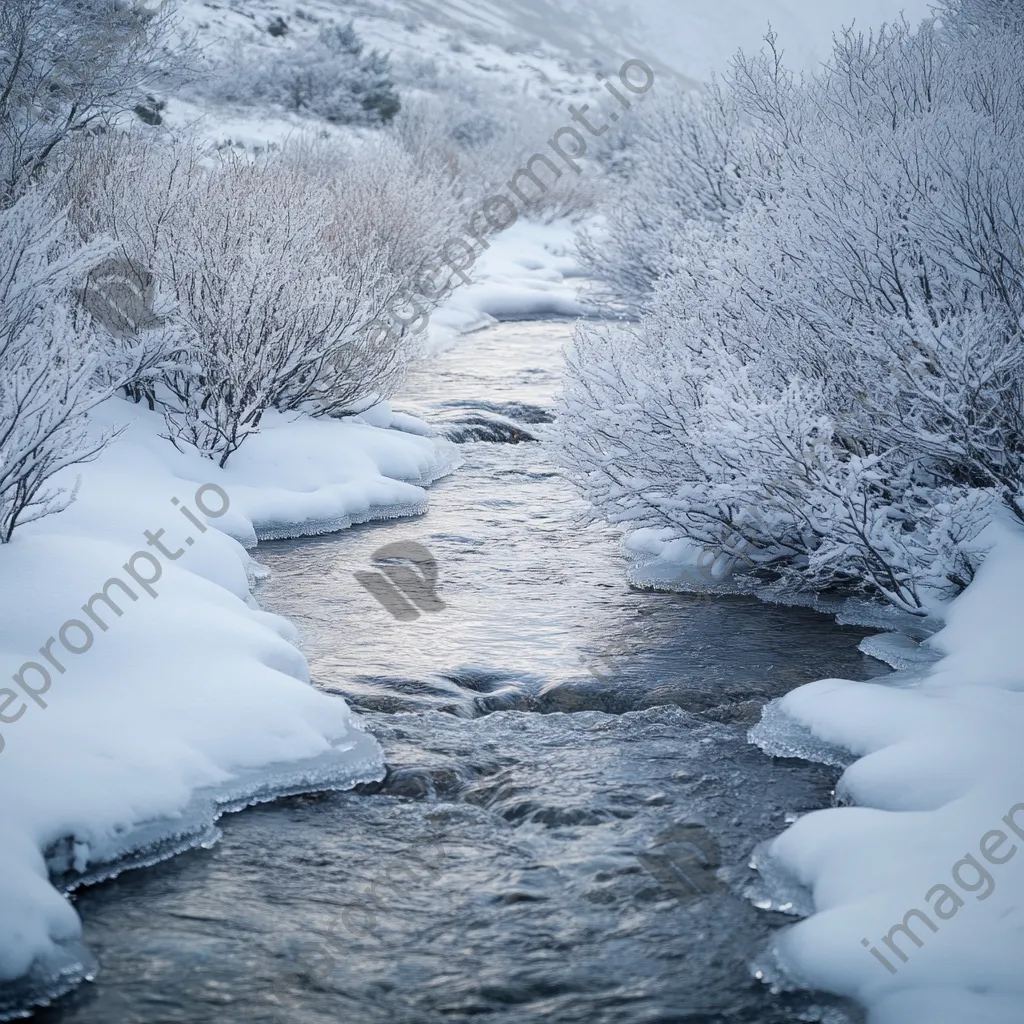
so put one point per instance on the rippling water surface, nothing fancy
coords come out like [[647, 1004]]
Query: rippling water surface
[[565, 828]]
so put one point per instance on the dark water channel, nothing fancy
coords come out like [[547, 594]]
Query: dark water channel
[[565, 828]]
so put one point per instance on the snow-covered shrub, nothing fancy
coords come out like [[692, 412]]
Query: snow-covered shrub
[[686, 166], [986, 15], [284, 278], [479, 139], [332, 76], [843, 353], [267, 295], [51, 358], [383, 201], [70, 65]]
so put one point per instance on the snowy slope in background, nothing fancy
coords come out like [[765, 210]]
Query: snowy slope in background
[[548, 42], [189, 700], [546, 48], [541, 48], [582, 33]]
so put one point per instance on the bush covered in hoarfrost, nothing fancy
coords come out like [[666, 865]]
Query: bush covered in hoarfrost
[[275, 274], [829, 368], [50, 360], [331, 76]]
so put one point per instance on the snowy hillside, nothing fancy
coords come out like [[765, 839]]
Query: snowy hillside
[[531, 48], [541, 39], [545, 49]]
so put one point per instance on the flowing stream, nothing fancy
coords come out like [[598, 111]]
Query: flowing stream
[[566, 826]]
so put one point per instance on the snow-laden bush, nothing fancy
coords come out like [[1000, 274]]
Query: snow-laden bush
[[331, 76], [687, 166], [984, 15], [478, 139], [283, 279], [51, 361], [67, 66], [833, 375]]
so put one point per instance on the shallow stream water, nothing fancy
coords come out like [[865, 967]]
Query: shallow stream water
[[571, 802]]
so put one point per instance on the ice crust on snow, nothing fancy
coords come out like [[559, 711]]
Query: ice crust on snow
[[185, 705], [938, 774], [780, 735], [775, 888], [899, 651]]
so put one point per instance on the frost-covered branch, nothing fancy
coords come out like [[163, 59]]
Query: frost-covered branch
[[841, 351], [50, 361]]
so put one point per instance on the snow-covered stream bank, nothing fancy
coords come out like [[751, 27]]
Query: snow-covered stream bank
[[550, 896], [141, 709], [919, 889]]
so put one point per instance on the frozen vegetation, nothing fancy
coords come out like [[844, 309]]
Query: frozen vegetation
[[821, 400], [826, 371]]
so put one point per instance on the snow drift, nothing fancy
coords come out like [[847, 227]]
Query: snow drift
[[918, 889]]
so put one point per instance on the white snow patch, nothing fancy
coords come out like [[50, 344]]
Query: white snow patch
[[530, 270], [941, 764]]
